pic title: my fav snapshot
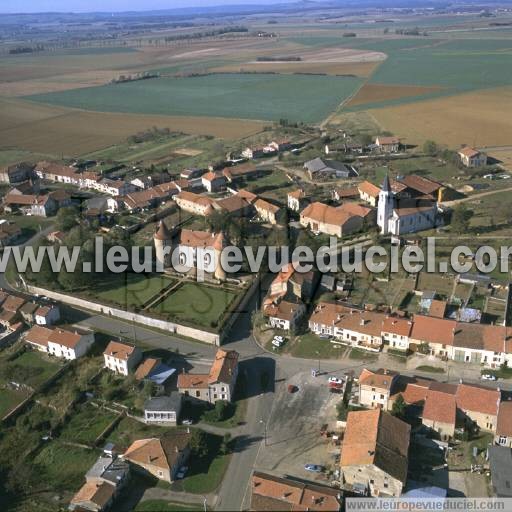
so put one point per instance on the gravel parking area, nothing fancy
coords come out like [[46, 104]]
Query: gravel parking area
[[293, 430]]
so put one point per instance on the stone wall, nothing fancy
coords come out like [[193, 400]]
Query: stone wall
[[171, 327]]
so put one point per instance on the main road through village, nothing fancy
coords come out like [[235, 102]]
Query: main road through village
[[254, 361]]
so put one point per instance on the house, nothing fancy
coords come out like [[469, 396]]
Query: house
[[10, 233], [269, 492], [369, 193], [503, 435], [321, 168], [37, 205], [47, 315], [240, 172], [26, 187], [121, 357], [10, 312], [239, 204], [251, 153], [16, 173], [374, 453], [401, 216], [281, 145], [191, 174], [471, 157], [284, 314], [478, 405], [214, 182], [267, 212], [341, 194], [69, 344], [28, 311], [160, 457], [153, 370], [38, 337], [194, 203], [335, 221], [440, 410], [500, 463], [396, 332], [93, 496], [163, 410], [218, 384], [57, 173], [375, 388], [421, 186], [438, 333], [348, 325], [297, 284], [296, 199], [387, 144], [115, 188]]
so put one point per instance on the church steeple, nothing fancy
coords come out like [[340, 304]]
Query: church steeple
[[385, 206]]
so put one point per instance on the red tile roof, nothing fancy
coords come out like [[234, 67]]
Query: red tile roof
[[440, 407], [478, 399], [504, 425]]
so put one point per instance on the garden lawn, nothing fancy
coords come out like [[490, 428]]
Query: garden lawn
[[196, 303], [310, 346], [63, 467], [86, 424], [9, 399], [37, 367], [306, 98], [165, 506], [205, 474], [128, 430], [129, 289]]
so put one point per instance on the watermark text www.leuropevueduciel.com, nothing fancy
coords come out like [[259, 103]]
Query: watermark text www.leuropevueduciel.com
[[328, 258]]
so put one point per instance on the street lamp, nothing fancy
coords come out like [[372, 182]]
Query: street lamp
[[265, 431], [318, 354], [204, 503]]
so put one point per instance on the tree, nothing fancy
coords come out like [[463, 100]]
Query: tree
[[199, 443], [399, 407], [430, 148], [460, 218], [67, 218]]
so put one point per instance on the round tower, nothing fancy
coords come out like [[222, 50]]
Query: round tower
[[218, 246], [162, 239]]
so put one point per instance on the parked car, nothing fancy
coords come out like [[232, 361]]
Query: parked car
[[315, 468], [182, 472], [187, 422], [325, 336], [292, 388], [335, 380], [489, 376]]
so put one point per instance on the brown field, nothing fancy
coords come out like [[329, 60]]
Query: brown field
[[56, 130], [362, 69], [187, 151], [482, 118], [371, 93]]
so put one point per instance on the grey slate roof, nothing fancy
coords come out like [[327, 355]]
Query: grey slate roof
[[500, 459], [164, 403]]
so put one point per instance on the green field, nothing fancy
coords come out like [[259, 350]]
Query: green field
[[62, 466], [252, 96], [9, 399], [196, 303], [86, 425], [129, 289], [32, 368]]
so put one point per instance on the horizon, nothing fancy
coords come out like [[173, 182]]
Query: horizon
[[120, 6]]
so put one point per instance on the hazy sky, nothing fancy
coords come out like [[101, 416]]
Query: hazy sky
[[114, 5]]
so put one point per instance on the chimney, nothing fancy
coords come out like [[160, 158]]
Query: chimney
[[362, 321], [176, 449], [188, 430]]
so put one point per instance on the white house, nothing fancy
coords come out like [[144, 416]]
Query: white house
[[284, 314], [69, 344], [472, 157], [296, 199], [396, 332], [47, 315], [163, 410], [121, 357]]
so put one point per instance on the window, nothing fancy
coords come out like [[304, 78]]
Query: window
[[198, 394], [382, 397], [502, 440]]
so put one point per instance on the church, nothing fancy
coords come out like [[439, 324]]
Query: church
[[196, 250], [401, 216]]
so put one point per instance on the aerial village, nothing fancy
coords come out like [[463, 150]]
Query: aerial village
[[270, 391]]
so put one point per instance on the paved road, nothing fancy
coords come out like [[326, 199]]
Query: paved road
[[254, 360]]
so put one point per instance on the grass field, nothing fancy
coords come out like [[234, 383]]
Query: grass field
[[165, 506], [259, 96], [129, 289], [86, 424], [193, 302], [34, 366], [62, 466], [9, 399]]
